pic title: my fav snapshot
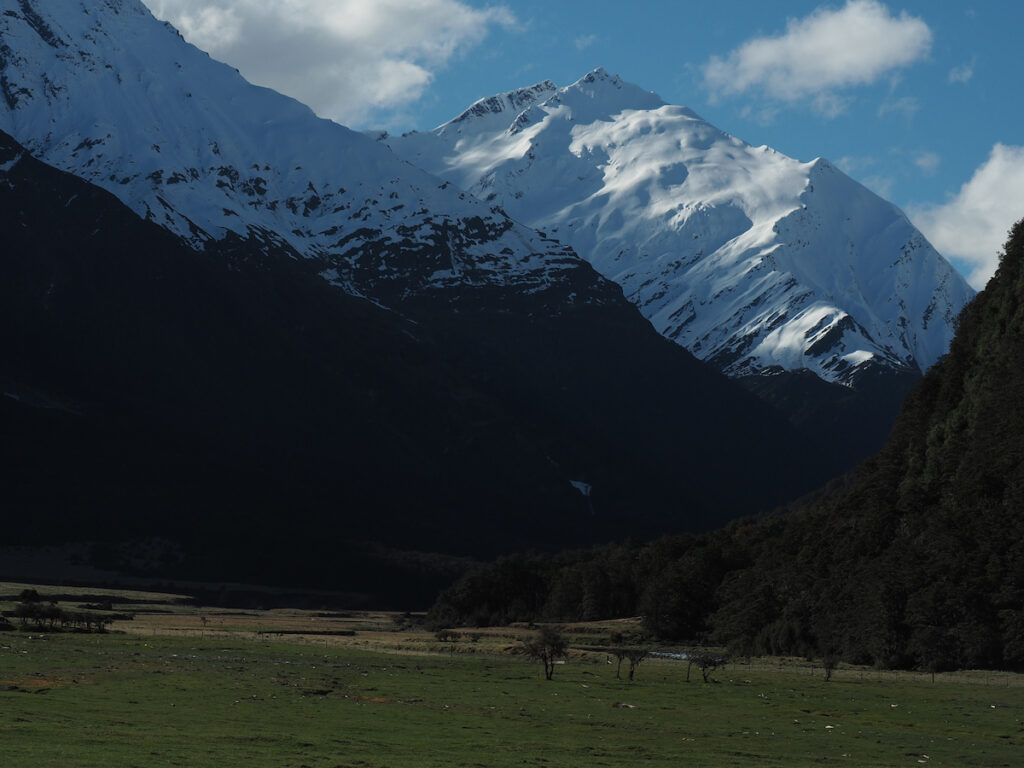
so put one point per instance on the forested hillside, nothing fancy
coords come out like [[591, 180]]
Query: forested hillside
[[917, 560]]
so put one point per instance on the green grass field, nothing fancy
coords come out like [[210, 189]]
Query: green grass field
[[173, 692]]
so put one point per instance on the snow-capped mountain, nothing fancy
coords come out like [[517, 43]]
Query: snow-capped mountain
[[104, 90], [510, 376], [750, 259], [147, 387]]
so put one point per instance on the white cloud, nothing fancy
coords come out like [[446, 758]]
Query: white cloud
[[972, 226], [347, 59], [961, 74], [828, 50]]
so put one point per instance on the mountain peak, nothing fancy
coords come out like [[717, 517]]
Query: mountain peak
[[601, 75], [511, 102], [607, 93], [746, 257], [597, 95]]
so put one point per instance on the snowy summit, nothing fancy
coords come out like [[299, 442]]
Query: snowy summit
[[110, 94], [750, 259]]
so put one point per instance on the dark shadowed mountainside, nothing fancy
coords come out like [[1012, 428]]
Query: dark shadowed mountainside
[[235, 403]]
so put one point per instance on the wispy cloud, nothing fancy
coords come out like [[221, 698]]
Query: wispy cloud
[[761, 115], [585, 41], [347, 59], [881, 184], [928, 162], [821, 54], [830, 104], [962, 74], [850, 164], [907, 106], [972, 226]]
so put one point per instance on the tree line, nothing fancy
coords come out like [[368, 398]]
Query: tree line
[[35, 613], [932, 596]]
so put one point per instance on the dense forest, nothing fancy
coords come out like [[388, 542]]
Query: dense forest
[[916, 560]]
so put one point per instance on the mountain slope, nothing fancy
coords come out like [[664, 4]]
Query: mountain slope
[[102, 90], [232, 402], [229, 395], [919, 562], [105, 91], [749, 259]]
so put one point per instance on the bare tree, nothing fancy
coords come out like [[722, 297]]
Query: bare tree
[[707, 662], [547, 646], [635, 656], [829, 662], [619, 650]]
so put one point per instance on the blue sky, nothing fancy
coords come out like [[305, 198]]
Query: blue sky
[[921, 101]]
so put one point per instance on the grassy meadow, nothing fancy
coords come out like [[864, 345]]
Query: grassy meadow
[[187, 686]]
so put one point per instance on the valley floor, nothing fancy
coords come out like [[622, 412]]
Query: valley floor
[[187, 685]]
